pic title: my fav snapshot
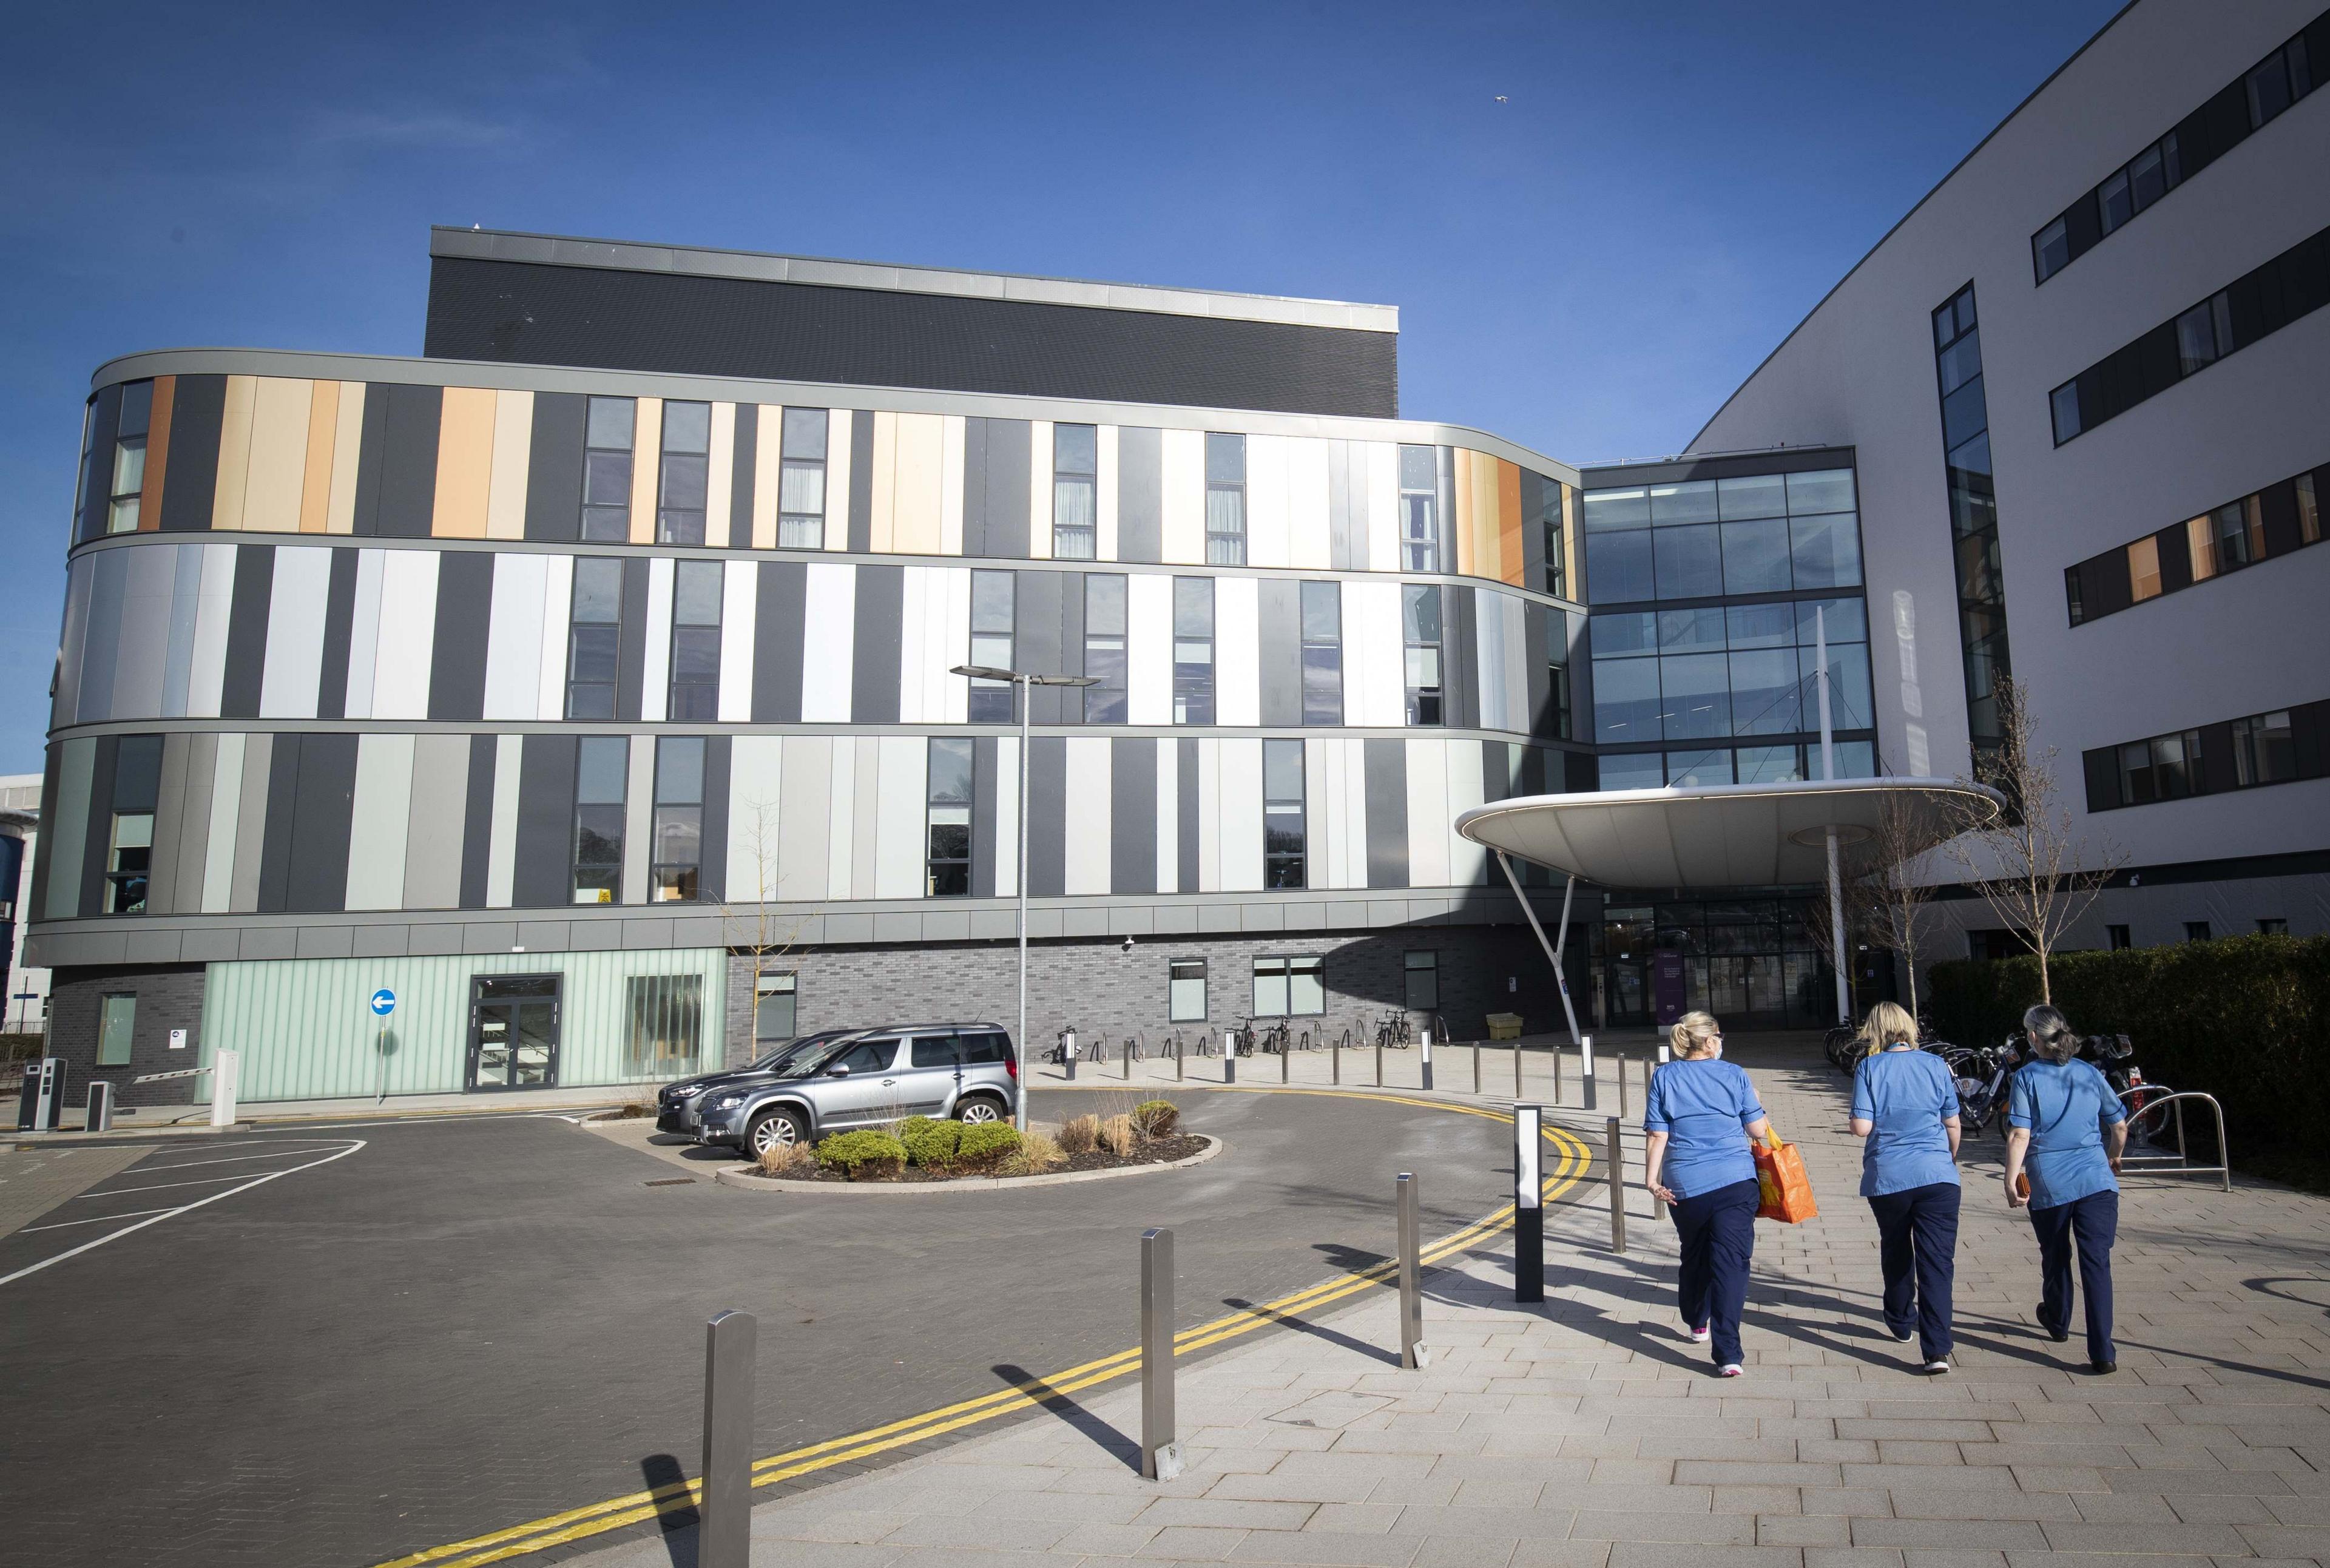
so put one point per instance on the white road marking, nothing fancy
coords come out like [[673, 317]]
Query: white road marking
[[157, 1219], [242, 1159], [100, 1220], [161, 1186]]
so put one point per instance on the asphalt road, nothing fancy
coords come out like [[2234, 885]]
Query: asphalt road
[[454, 1326]]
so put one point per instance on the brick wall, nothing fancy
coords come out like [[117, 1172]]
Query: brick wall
[[169, 996], [1101, 988]]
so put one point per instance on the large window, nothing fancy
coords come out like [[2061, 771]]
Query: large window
[[2247, 753], [666, 1033], [2255, 305], [121, 515], [1289, 987], [1713, 538], [1075, 486], [1104, 649], [695, 593], [1736, 669], [676, 874], [1193, 651], [1282, 841], [2263, 749], [948, 868], [601, 764], [1419, 508], [1322, 653], [1420, 973], [595, 637], [1420, 624], [800, 485], [1225, 500], [2261, 94], [1973, 512], [1185, 990], [117, 1023], [992, 617], [682, 487], [776, 1012], [607, 470], [129, 853], [2274, 521]]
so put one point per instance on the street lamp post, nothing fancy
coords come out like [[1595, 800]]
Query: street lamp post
[[1021, 681]]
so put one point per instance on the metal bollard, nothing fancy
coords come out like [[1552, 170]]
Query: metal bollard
[[1412, 1354], [1476, 1067], [1624, 1068], [725, 1532], [1617, 1190], [1335, 1051], [1586, 1071], [1427, 1048], [1128, 1059], [1528, 1204], [226, 1074], [1068, 1052], [1230, 1055], [1378, 1062], [99, 1119], [1517, 1069], [1161, 1452], [1285, 1063], [1557, 1075], [1177, 1057]]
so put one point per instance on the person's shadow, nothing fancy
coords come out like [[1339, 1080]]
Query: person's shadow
[[675, 1515]]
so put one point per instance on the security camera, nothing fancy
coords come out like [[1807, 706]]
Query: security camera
[[1128, 944]]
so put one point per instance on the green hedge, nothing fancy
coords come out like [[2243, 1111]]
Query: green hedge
[[929, 1141], [864, 1152], [2242, 1018], [985, 1143]]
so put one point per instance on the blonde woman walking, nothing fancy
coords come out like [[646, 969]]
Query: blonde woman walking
[[1699, 1115], [1906, 1105]]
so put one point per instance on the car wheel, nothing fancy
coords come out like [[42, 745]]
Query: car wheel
[[775, 1129], [977, 1108]]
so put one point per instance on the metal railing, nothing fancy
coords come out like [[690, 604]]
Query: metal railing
[[2146, 1123]]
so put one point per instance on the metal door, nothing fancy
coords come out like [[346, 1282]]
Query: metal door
[[514, 1031]]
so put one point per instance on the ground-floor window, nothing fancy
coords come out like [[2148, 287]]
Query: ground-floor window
[[1185, 990], [1422, 976], [117, 1018], [772, 1018], [1292, 987], [667, 1025]]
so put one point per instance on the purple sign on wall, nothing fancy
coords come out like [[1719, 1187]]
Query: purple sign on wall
[[1666, 986]]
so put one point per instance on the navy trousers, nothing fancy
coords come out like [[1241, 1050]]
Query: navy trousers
[[2092, 1221], [1917, 1243], [1718, 1231]]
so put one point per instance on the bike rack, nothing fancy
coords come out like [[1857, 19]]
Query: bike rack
[[2179, 1163]]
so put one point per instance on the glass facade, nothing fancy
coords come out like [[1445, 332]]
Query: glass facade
[[1750, 961], [1973, 512]]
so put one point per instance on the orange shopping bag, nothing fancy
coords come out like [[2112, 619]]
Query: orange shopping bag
[[1787, 1191]]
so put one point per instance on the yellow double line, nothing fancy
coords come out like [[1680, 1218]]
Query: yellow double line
[[615, 1513]]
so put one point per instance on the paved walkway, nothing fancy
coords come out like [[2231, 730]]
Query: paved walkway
[[1588, 1434]]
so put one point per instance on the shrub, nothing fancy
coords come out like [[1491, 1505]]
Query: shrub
[[930, 1143], [1116, 1134], [1036, 1154], [1156, 1118], [863, 1156], [1080, 1134], [986, 1145], [793, 1162], [2243, 1018]]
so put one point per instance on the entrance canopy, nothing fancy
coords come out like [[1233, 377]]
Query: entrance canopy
[[1724, 835]]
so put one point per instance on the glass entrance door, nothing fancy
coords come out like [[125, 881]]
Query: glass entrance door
[[513, 1031]]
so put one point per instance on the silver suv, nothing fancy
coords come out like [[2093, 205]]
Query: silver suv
[[963, 1071]]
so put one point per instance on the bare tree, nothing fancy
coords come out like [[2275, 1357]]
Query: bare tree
[[761, 929], [1860, 924], [1899, 898], [2037, 876]]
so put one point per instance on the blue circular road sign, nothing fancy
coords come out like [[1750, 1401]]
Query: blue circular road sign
[[383, 1001]]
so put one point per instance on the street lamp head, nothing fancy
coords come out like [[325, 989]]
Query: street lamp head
[[988, 672], [1063, 680], [984, 672]]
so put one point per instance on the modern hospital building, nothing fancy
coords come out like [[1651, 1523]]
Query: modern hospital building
[[546, 678]]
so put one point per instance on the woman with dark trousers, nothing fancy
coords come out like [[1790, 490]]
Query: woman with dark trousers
[[1699, 1116], [1906, 1105], [2066, 1129]]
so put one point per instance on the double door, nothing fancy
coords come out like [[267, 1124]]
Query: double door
[[514, 1031]]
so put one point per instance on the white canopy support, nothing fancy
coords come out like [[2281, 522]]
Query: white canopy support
[[1552, 949]]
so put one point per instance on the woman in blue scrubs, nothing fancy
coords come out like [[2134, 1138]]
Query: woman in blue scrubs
[[1906, 1103], [1701, 1113], [2066, 1129]]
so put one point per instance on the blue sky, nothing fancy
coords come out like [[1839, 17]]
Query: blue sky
[[1597, 217]]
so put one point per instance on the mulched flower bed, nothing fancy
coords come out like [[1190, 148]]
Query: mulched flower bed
[[1155, 1152]]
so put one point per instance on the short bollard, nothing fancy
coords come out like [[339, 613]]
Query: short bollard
[[1230, 1055], [1177, 1059], [1161, 1452], [1412, 1354], [1335, 1059], [1517, 1069], [1557, 1075], [725, 1533], [1617, 1190], [226, 1082], [1427, 1048], [1378, 1062], [1528, 1204], [1586, 1071], [1285, 1062], [1128, 1059], [1068, 1052], [1624, 1067], [1476, 1067]]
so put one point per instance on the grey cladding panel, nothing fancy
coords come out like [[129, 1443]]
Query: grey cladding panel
[[1140, 495], [282, 811], [190, 482], [1186, 811], [554, 488], [339, 629], [781, 596], [1047, 819], [1132, 815], [246, 631], [630, 672], [403, 493], [98, 836], [878, 636], [861, 482], [740, 475], [465, 603], [546, 822], [713, 876], [1037, 598], [1282, 651], [322, 806], [996, 487], [478, 822], [1387, 783], [984, 785]]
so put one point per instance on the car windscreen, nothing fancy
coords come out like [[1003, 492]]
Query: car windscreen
[[792, 1049], [815, 1057]]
